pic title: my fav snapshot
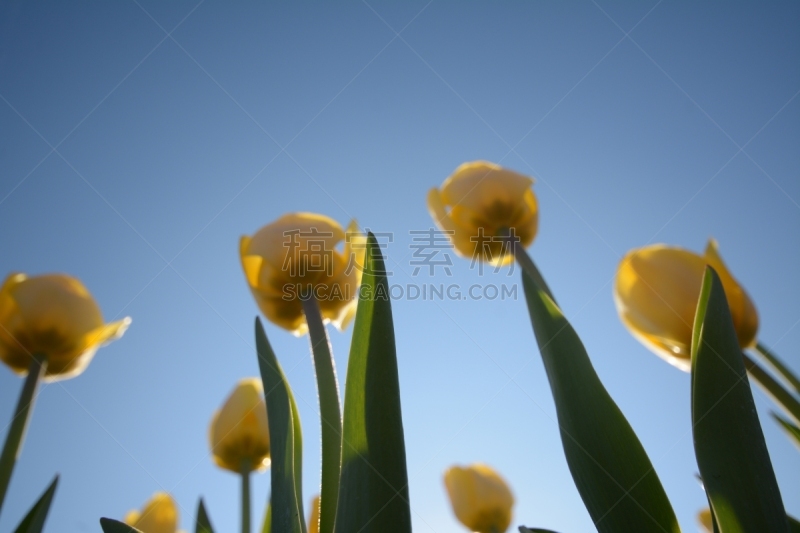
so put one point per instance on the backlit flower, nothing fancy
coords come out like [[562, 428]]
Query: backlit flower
[[52, 315], [480, 498], [159, 515], [297, 253], [479, 204], [239, 432], [656, 292]]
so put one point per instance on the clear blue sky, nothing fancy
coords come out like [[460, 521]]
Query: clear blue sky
[[134, 160]]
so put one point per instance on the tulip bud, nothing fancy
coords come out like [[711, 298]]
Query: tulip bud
[[159, 515], [480, 498], [297, 253], [53, 315], [480, 203], [656, 292], [239, 432]]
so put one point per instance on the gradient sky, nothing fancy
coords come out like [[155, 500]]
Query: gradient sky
[[140, 139]]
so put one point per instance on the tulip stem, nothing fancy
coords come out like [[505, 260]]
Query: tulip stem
[[778, 366], [245, 496], [19, 423], [774, 390], [527, 264], [330, 413]]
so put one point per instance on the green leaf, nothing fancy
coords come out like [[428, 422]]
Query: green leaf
[[791, 430], [110, 525], [794, 525], [287, 516], [612, 472], [523, 529], [373, 492], [266, 527], [203, 524], [779, 366], [729, 445], [34, 520]]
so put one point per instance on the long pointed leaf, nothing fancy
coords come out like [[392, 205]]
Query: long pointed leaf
[[110, 525], [266, 527], [612, 472], [34, 520], [779, 366], [287, 515], [203, 523], [373, 493], [791, 430], [729, 445]]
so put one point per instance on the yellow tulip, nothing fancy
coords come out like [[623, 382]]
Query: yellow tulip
[[480, 498], [704, 519], [313, 519], [298, 251], [480, 202], [239, 432], [656, 292], [159, 515], [55, 316]]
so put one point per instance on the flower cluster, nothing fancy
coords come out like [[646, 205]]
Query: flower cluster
[[304, 271]]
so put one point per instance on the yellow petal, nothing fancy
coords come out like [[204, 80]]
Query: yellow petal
[[12, 352], [459, 235], [480, 498], [53, 315], [132, 516], [346, 315], [159, 515], [705, 520], [313, 519], [480, 183], [275, 242], [287, 314], [355, 250], [296, 253], [239, 431], [745, 317], [656, 291], [485, 201], [57, 302]]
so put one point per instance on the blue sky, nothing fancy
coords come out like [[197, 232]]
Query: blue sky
[[140, 139]]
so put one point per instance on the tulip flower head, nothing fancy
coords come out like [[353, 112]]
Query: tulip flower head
[[480, 498], [159, 515], [656, 292], [705, 520], [295, 255], [313, 519], [479, 204], [55, 316], [239, 432]]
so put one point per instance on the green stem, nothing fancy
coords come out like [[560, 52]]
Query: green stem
[[779, 395], [778, 366], [245, 472], [527, 264], [19, 423], [330, 414]]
